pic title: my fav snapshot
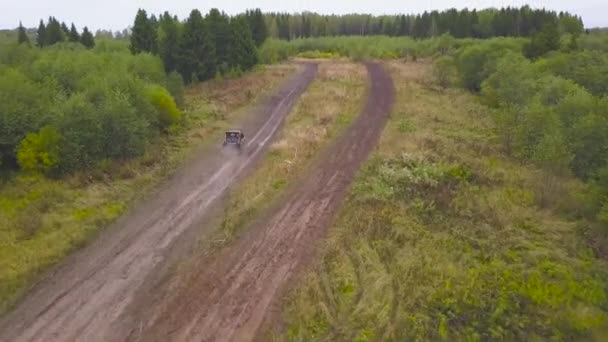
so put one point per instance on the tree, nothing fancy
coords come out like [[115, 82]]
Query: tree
[[168, 41], [544, 41], [54, 33], [74, 36], [22, 36], [243, 52], [143, 34], [197, 53], [219, 35], [41, 34], [258, 26], [64, 28], [87, 38]]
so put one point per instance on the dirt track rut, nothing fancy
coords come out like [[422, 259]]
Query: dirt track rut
[[229, 296], [83, 299]]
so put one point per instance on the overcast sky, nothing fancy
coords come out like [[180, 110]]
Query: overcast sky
[[118, 14]]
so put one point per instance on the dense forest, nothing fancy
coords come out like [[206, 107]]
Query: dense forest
[[515, 22], [201, 47]]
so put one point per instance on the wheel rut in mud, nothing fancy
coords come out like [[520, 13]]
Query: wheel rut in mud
[[229, 296], [85, 296]]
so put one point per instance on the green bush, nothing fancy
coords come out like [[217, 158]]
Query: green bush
[[513, 83], [477, 61], [444, 71], [167, 110], [40, 151], [104, 103], [587, 68], [25, 106]]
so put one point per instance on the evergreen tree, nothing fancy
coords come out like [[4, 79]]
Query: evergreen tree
[[87, 38], [217, 25], [258, 27], [544, 41], [41, 34], [54, 33], [243, 54], [197, 53], [73, 36], [143, 35], [168, 41], [22, 37], [64, 28]]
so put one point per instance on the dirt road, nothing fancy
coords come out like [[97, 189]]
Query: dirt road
[[229, 295], [84, 297]]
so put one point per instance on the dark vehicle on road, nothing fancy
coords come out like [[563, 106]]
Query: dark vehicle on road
[[234, 137]]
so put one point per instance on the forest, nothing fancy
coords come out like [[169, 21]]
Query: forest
[[514, 22]]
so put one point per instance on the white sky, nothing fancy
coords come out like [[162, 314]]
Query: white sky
[[118, 14]]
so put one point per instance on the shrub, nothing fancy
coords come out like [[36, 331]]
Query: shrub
[[40, 151], [167, 110], [444, 71], [513, 83], [476, 62]]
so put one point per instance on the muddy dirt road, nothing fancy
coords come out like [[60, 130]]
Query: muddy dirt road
[[85, 296], [228, 297]]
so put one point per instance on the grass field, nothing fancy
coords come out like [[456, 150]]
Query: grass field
[[444, 238], [329, 105], [42, 220]]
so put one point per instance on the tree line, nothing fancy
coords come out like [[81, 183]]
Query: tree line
[[515, 22], [200, 48], [54, 32]]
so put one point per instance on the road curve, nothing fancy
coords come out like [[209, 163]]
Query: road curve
[[85, 296], [229, 296]]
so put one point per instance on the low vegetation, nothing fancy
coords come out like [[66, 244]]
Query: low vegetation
[[42, 219], [446, 237]]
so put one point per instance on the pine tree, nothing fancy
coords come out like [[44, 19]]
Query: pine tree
[[54, 33], [544, 41], [197, 53], [259, 30], [243, 54], [41, 34], [64, 28], [168, 41], [22, 37], [87, 38], [219, 34], [73, 36], [143, 35]]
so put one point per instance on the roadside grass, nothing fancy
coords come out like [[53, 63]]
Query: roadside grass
[[42, 220], [444, 238], [330, 103]]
